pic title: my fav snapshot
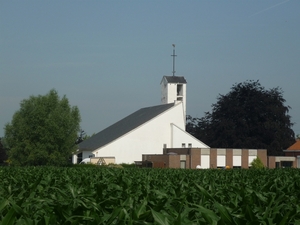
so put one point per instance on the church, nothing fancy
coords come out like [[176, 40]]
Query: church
[[148, 130], [155, 136]]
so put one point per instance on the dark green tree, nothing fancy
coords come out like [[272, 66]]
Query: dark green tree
[[249, 116], [42, 131], [3, 155], [82, 137]]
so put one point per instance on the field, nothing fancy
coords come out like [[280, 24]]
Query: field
[[98, 195]]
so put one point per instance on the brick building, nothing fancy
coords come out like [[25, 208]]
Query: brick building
[[192, 158]]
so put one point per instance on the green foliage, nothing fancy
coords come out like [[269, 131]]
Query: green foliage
[[249, 116], [42, 131], [102, 195], [257, 164], [127, 165], [82, 137], [3, 155]]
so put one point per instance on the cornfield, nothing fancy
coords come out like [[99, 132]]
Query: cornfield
[[98, 195]]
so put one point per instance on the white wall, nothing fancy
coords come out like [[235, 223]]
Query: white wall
[[85, 154], [149, 138], [169, 93], [179, 137]]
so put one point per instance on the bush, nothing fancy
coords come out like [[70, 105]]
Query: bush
[[257, 164]]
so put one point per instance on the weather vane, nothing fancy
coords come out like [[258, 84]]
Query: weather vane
[[173, 59]]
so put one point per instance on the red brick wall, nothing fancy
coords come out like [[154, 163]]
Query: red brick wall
[[174, 161], [213, 158], [245, 158], [262, 154], [271, 163], [188, 162], [195, 158], [229, 158], [158, 165], [179, 151], [158, 161]]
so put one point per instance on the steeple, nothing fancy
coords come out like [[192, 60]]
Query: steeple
[[173, 88]]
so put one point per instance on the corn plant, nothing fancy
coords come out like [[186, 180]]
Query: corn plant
[[99, 195]]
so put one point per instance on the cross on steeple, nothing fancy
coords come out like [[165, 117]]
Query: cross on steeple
[[173, 59]]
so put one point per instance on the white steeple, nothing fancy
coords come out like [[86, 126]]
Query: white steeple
[[173, 88]]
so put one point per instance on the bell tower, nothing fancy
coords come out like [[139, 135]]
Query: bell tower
[[173, 88]]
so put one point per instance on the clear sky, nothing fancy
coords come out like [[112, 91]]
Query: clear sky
[[108, 57]]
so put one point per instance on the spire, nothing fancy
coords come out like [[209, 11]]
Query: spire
[[173, 59]]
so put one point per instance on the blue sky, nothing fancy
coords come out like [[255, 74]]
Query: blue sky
[[108, 57]]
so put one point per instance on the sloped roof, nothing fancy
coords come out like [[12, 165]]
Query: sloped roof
[[175, 79], [123, 126], [295, 146]]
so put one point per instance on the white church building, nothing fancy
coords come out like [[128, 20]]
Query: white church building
[[147, 131]]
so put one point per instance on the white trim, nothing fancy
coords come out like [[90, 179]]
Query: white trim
[[284, 158]]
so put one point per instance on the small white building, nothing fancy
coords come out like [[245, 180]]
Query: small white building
[[147, 131]]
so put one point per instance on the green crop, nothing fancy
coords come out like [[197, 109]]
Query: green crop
[[99, 195]]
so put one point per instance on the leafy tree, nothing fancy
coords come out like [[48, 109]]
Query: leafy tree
[[249, 116], [3, 155], [82, 136], [42, 131]]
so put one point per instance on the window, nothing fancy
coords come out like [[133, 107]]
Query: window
[[179, 89], [237, 161], [165, 145], [205, 161], [182, 164], [250, 159], [79, 157], [286, 164], [221, 161], [183, 145]]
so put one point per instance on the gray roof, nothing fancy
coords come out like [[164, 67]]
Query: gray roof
[[175, 79], [123, 126]]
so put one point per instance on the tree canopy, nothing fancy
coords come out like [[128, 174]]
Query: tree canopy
[[43, 131], [249, 116], [3, 155]]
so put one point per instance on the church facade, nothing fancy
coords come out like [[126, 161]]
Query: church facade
[[146, 131]]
